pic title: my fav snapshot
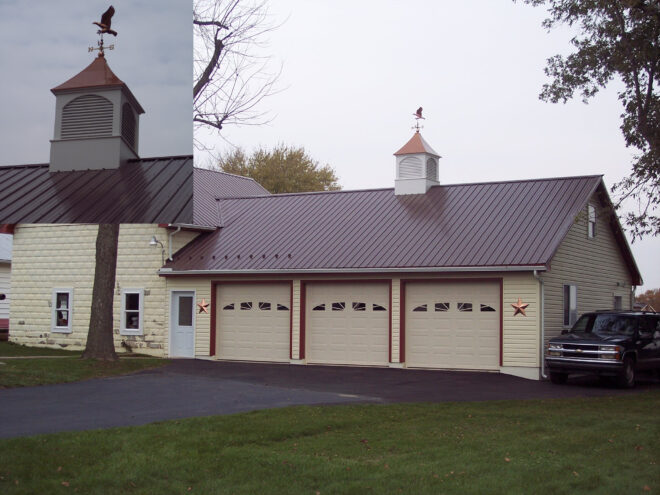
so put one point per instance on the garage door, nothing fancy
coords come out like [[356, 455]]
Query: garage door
[[253, 322], [347, 323], [453, 325]]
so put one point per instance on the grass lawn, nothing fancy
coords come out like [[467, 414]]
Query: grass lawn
[[31, 372], [562, 446], [10, 349]]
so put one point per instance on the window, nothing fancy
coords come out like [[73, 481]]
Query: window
[[486, 307], [465, 307], [338, 306], [378, 307], [420, 308], [359, 306], [442, 306], [618, 303], [62, 310], [591, 225], [245, 306], [228, 307], [264, 306], [132, 312], [570, 305], [282, 307], [320, 307]]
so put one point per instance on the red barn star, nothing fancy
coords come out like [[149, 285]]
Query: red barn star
[[203, 306], [519, 307]]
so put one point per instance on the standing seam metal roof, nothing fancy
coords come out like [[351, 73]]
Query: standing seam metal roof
[[149, 190], [501, 224]]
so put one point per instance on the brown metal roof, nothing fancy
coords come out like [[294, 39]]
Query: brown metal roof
[[416, 144], [209, 185], [499, 224], [151, 190]]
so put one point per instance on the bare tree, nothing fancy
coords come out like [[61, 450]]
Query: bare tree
[[230, 78], [100, 344]]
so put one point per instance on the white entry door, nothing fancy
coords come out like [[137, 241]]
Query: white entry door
[[182, 333]]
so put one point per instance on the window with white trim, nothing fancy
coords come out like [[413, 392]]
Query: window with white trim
[[591, 225], [132, 312], [62, 310], [570, 305]]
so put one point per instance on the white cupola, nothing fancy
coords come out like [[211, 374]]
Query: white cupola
[[416, 167], [96, 121]]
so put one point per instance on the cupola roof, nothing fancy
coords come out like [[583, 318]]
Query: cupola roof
[[416, 144]]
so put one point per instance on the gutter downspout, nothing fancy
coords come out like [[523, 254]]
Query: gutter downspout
[[169, 242], [537, 277]]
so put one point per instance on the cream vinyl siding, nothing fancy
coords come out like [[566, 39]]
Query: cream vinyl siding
[[54, 256], [594, 265], [339, 333], [521, 334], [5, 281]]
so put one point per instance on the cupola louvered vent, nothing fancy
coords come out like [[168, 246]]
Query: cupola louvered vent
[[410, 168], [87, 116], [128, 124], [431, 169]]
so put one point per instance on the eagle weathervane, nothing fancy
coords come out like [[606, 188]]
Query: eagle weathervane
[[418, 116], [104, 25]]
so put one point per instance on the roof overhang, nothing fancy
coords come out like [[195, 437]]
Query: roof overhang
[[168, 272], [188, 226]]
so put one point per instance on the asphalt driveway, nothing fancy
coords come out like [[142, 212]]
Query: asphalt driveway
[[188, 388]]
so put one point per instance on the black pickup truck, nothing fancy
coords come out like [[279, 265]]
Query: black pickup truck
[[606, 343]]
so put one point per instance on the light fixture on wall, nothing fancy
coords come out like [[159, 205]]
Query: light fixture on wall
[[155, 242]]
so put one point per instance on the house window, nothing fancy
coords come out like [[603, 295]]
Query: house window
[[591, 226], [570, 305], [132, 312], [62, 310], [618, 303]]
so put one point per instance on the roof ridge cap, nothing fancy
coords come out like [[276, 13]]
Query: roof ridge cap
[[311, 193]]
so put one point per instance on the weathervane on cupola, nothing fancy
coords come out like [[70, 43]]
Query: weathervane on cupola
[[418, 116], [105, 24]]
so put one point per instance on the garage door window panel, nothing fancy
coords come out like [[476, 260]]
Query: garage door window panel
[[338, 306], [282, 307], [264, 306], [228, 307], [319, 307], [378, 307], [246, 306], [464, 307], [420, 309], [487, 308], [359, 306], [441, 307]]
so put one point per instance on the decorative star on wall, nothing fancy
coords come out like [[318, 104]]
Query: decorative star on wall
[[203, 306], [519, 307]]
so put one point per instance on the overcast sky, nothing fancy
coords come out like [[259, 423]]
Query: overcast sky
[[355, 71], [44, 43]]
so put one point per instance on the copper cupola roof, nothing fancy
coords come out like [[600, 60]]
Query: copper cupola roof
[[416, 144], [96, 75]]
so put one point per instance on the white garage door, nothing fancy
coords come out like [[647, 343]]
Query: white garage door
[[347, 323], [453, 325], [253, 322]]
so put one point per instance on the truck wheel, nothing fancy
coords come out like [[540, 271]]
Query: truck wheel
[[558, 378], [627, 377]]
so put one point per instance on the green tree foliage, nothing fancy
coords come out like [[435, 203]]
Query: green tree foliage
[[650, 297], [618, 39], [285, 169]]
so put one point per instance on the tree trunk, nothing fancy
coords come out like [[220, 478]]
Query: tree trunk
[[100, 344]]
